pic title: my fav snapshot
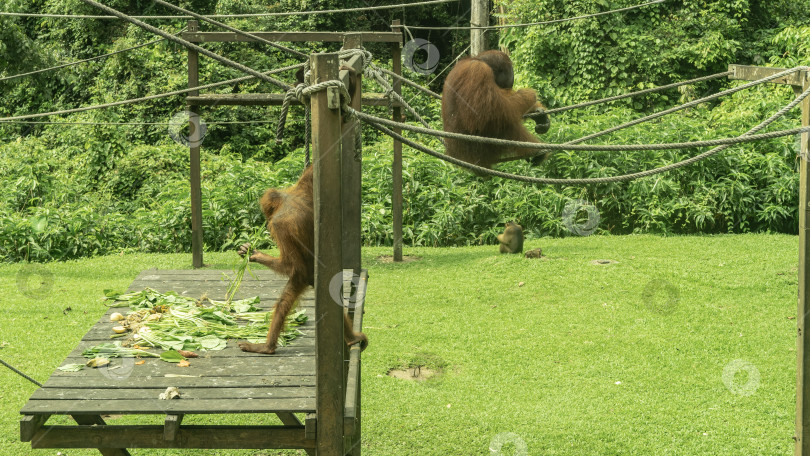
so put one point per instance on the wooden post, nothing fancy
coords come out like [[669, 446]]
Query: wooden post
[[802, 437], [352, 172], [194, 161], [352, 204], [479, 17], [396, 171], [326, 141]]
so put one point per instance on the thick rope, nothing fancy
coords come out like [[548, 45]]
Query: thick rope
[[307, 134], [685, 105], [640, 92], [410, 83], [234, 16], [20, 373], [300, 93], [223, 60], [373, 72], [147, 98], [584, 147], [232, 29], [587, 181], [282, 118]]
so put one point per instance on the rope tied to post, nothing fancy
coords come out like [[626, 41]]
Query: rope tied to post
[[302, 92]]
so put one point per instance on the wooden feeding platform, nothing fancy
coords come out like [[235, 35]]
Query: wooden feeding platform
[[220, 382]]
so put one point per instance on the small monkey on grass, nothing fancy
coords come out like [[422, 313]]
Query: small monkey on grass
[[512, 238]]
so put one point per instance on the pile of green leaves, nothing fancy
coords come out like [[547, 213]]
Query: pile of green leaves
[[188, 324]]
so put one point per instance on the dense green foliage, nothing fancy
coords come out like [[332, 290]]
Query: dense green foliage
[[82, 198], [654, 45], [80, 190]]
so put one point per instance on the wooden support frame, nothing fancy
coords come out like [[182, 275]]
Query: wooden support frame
[[194, 161], [334, 427], [396, 171], [328, 196], [194, 100], [802, 447], [479, 17], [152, 436], [800, 80]]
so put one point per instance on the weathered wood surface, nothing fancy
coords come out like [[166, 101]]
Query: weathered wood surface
[[368, 37], [396, 167], [270, 99], [802, 423], [226, 381], [195, 181], [754, 73], [328, 193], [187, 436], [351, 415]]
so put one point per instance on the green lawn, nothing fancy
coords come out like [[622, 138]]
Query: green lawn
[[683, 346]]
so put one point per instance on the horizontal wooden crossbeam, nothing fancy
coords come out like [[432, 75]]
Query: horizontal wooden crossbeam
[[152, 436], [213, 37], [755, 73], [269, 99]]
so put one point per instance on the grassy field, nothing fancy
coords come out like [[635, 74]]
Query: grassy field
[[681, 346]]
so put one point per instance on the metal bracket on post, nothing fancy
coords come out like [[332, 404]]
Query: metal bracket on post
[[333, 98]]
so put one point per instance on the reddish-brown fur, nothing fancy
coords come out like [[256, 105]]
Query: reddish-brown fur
[[478, 100], [290, 220]]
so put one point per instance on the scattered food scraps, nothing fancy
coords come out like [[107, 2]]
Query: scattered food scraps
[[171, 392]]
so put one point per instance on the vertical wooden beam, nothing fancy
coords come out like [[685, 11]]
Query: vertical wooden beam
[[194, 160], [479, 17], [352, 171], [352, 204], [326, 141], [396, 171], [802, 437]]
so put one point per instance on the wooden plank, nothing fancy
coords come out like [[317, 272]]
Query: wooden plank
[[754, 73], [262, 275], [396, 170], [194, 161], [151, 393], [191, 436], [171, 426], [210, 367], [270, 99], [352, 412], [352, 207], [336, 37], [802, 436], [29, 424], [303, 345], [311, 426], [175, 406], [212, 382], [290, 419], [352, 164], [328, 253]]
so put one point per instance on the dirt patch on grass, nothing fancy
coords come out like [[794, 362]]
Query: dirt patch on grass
[[405, 258], [416, 374], [418, 367], [603, 262]]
